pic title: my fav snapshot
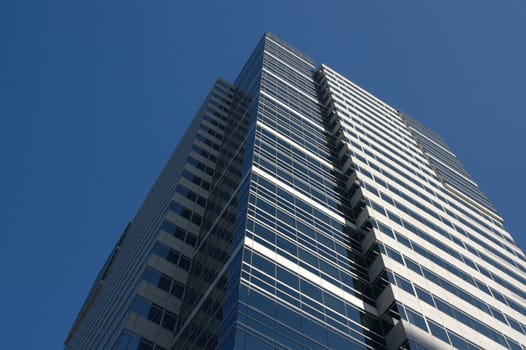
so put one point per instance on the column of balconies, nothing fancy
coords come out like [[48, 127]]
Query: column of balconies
[[380, 282]]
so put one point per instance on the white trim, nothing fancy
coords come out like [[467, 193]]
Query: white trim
[[309, 276]]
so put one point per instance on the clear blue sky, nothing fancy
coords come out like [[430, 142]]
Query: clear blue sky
[[96, 94]]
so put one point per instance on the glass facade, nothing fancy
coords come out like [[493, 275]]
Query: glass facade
[[301, 212]]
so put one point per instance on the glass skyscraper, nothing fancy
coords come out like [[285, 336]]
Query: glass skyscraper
[[301, 212]]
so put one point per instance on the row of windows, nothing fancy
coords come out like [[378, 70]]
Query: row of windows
[[290, 150], [442, 333], [191, 195], [300, 139], [453, 269], [305, 236], [289, 55], [303, 297], [370, 131], [463, 317], [455, 240], [222, 101], [414, 266], [324, 195], [284, 71], [466, 187], [294, 126], [203, 153], [293, 213], [421, 195], [480, 304], [185, 213], [199, 165], [327, 223], [154, 313], [377, 153], [454, 312], [352, 91], [224, 87], [172, 256], [293, 95], [218, 135], [267, 333], [295, 100], [303, 210], [179, 233], [463, 245], [164, 282], [391, 138], [496, 241], [333, 265], [488, 227], [280, 163], [401, 194], [389, 175], [323, 192], [196, 180], [219, 106], [364, 141], [275, 145], [368, 103], [482, 223], [442, 218], [207, 142], [438, 152], [396, 129]]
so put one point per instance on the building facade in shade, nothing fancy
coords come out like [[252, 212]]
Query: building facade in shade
[[301, 212]]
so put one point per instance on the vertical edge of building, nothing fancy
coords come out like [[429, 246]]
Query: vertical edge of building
[[136, 297]]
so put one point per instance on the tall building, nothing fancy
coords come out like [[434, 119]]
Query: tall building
[[301, 212]]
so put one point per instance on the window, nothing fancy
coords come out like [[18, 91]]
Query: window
[[169, 320], [177, 289], [185, 262], [416, 319]]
